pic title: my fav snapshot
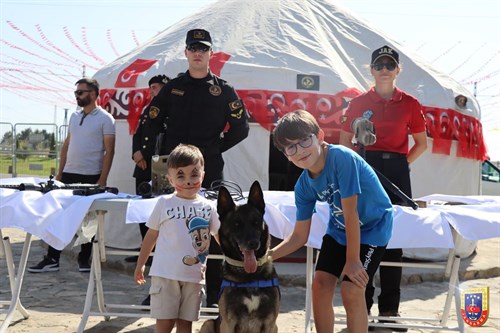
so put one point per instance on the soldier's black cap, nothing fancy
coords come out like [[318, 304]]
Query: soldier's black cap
[[198, 36], [158, 79]]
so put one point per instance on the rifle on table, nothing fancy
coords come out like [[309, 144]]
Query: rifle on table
[[78, 189]]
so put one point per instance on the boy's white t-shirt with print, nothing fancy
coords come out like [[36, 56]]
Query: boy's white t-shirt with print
[[171, 216]]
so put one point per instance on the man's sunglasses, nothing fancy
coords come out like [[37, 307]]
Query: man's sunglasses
[[198, 48], [390, 66], [81, 92]]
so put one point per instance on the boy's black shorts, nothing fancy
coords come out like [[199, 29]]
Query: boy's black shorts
[[332, 257]]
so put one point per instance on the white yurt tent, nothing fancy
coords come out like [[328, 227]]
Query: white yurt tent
[[282, 55]]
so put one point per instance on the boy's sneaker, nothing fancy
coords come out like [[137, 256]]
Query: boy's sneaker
[[83, 266], [46, 265], [371, 328]]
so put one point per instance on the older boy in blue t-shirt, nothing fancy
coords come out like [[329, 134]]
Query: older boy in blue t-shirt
[[360, 223]]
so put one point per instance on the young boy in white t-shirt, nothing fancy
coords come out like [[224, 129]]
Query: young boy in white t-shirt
[[180, 227]]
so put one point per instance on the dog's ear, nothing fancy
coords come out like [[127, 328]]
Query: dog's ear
[[225, 202], [256, 197]]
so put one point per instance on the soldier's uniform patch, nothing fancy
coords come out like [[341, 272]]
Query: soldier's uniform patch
[[154, 112], [235, 105], [474, 306], [177, 92], [238, 114], [215, 90]]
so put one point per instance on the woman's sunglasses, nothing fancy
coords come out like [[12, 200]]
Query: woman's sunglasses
[[390, 66]]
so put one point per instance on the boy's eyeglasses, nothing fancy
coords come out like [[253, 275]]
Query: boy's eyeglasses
[[81, 92], [198, 48], [390, 66], [291, 150]]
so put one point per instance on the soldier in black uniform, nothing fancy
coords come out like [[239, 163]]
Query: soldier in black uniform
[[144, 147], [203, 110], [144, 140]]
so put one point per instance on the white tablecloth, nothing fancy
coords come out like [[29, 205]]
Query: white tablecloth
[[422, 228], [57, 215]]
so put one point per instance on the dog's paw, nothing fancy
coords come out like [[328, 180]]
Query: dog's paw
[[208, 326]]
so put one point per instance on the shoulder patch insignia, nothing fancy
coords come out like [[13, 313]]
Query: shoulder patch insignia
[[215, 90], [238, 114], [177, 92], [153, 112], [235, 105]]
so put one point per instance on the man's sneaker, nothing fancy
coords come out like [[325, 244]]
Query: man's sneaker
[[46, 265], [83, 266]]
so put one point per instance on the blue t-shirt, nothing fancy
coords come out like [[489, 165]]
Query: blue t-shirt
[[346, 174]]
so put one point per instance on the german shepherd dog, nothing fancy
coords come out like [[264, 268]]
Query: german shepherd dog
[[249, 297]]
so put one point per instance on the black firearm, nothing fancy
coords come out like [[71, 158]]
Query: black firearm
[[364, 132], [78, 189]]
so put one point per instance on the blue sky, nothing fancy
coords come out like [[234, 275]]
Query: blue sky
[[44, 45]]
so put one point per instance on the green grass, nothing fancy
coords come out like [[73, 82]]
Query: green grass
[[46, 165]]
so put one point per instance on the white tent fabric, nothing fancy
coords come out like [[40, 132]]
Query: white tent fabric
[[264, 49]]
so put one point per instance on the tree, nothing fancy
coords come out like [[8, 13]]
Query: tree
[[52, 147], [7, 138], [25, 134]]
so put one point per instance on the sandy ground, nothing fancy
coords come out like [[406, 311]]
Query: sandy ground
[[55, 300]]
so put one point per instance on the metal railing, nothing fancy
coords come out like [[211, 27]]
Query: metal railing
[[9, 146]]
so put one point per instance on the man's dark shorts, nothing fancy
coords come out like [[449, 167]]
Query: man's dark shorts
[[332, 257]]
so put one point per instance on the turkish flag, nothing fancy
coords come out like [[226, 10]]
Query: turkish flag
[[137, 99], [218, 61], [128, 76], [105, 95]]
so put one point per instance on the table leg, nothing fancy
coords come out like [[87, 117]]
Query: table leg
[[453, 288], [15, 303], [309, 278]]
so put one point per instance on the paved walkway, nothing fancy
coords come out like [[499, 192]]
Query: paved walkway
[[55, 300]]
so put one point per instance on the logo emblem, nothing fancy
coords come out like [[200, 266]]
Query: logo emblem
[[474, 306], [385, 50], [235, 105], [153, 112], [368, 114], [199, 34], [215, 90], [307, 82]]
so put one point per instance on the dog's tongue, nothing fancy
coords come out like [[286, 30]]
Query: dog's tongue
[[249, 261]]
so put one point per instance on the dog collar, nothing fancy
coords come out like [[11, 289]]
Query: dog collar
[[238, 263]]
